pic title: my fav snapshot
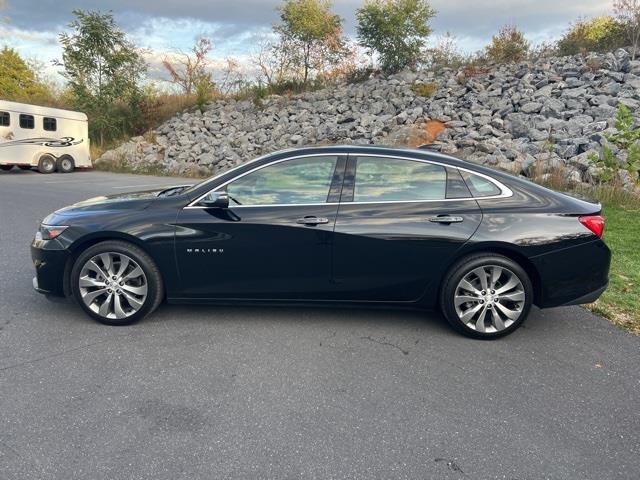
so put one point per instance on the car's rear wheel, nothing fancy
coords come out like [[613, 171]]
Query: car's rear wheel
[[47, 164], [66, 164], [486, 296], [116, 283]]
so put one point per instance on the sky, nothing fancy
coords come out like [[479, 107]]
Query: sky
[[164, 26]]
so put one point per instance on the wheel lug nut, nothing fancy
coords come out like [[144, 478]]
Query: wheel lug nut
[[483, 292]]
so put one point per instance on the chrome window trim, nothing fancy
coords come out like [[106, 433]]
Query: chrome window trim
[[505, 191]]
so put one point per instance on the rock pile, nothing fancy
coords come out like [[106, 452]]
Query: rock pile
[[537, 116]]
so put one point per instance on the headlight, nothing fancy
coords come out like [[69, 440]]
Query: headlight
[[49, 232]]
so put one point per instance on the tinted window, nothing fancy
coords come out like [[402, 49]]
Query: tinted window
[[480, 186], [26, 121], [5, 119], [49, 124], [392, 179], [303, 180], [456, 187]]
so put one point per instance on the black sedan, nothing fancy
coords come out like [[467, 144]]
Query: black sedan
[[352, 224]]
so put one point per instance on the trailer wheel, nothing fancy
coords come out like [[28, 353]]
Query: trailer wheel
[[6, 168], [66, 164], [47, 164]]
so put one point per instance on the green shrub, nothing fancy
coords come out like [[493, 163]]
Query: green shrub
[[204, 87], [509, 45], [626, 139], [424, 89], [598, 34], [397, 30]]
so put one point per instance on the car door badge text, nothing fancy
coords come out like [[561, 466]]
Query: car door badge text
[[205, 250]]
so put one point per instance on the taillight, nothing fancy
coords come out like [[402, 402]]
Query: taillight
[[595, 223]]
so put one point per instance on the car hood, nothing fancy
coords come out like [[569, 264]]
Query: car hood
[[132, 200]]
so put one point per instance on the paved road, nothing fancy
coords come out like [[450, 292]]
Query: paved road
[[210, 392]]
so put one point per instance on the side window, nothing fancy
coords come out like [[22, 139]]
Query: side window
[[5, 119], [303, 180], [49, 124], [27, 121], [456, 186], [391, 179], [480, 186]]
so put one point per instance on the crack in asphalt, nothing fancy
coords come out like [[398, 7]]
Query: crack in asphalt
[[59, 354], [382, 342]]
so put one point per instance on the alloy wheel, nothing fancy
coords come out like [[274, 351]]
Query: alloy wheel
[[489, 299], [113, 285]]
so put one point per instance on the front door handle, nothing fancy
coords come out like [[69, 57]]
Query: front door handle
[[312, 220], [446, 219]]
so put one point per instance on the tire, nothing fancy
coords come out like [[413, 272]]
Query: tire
[[6, 168], [135, 293], [66, 164], [503, 312], [47, 164]]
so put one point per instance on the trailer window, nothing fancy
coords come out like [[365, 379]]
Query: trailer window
[[49, 124], [27, 121], [5, 119]]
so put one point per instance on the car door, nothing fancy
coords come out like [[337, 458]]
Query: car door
[[400, 223], [274, 240]]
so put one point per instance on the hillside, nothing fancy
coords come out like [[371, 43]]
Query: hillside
[[540, 117]]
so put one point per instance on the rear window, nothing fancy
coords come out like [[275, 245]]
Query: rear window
[[49, 124], [480, 186], [27, 121], [5, 119]]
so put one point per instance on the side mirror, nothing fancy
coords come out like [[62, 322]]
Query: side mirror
[[215, 200]]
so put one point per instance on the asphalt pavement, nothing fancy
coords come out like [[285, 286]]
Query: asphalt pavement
[[222, 392]]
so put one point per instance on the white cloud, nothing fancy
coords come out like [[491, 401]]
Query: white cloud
[[165, 27]]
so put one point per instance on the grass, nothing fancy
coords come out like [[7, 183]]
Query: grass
[[621, 302]]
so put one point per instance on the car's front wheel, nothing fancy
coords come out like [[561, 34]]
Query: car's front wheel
[[486, 296], [116, 283]]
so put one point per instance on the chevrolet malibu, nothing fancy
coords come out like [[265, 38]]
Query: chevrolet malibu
[[354, 224]]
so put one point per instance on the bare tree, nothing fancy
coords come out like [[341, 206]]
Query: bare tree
[[187, 70], [273, 62], [231, 77], [628, 13]]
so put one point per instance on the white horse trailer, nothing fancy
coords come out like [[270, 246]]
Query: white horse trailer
[[49, 139]]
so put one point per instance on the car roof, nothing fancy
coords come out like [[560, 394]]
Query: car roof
[[375, 149]]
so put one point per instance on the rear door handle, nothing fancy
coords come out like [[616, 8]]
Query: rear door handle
[[446, 219], [312, 220]]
